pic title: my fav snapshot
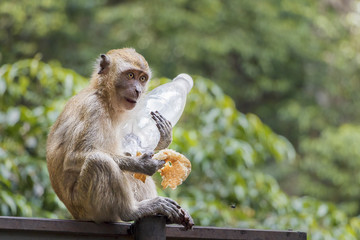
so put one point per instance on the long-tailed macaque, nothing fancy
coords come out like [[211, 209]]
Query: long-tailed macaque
[[88, 169]]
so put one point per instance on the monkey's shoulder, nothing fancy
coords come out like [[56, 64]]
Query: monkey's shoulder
[[86, 105]]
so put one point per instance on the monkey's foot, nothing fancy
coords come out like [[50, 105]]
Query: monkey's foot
[[187, 220], [184, 219]]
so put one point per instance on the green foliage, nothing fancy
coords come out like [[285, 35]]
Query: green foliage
[[225, 146], [332, 162], [289, 62], [275, 50], [31, 95], [292, 63], [226, 187], [294, 60], [47, 27]]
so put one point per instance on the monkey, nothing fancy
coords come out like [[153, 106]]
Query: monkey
[[88, 169]]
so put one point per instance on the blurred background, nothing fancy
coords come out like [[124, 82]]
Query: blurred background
[[271, 126]]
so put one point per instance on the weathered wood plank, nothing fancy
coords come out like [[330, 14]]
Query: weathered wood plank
[[175, 233], [149, 228], [39, 227]]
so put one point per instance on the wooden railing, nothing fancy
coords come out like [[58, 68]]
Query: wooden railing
[[150, 228]]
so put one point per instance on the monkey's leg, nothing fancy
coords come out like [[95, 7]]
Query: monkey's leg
[[102, 190], [106, 195]]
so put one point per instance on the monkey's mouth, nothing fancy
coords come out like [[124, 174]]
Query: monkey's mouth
[[130, 100]]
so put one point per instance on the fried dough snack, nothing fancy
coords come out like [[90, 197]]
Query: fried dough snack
[[140, 176], [176, 169]]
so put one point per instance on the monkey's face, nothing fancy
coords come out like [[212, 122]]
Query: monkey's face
[[126, 74], [129, 87]]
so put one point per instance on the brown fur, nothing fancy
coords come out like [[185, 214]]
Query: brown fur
[[86, 164]]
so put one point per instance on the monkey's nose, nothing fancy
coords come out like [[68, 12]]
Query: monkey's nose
[[138, 92]]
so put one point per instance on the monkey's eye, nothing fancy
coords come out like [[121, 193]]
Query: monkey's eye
[[130, 75], [142, 78]]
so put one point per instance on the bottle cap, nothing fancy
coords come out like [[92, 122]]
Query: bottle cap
[[186, 78]]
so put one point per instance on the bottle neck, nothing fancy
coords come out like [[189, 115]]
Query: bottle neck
[[185, 81], [182, 86]]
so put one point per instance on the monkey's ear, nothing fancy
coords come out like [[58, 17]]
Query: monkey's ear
[[104, 63]]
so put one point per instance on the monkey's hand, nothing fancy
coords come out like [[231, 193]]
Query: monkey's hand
[[165, 130], [169, 208], [148, 165]]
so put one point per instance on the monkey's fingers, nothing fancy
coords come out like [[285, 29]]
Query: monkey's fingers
[[172, 213], [167, 126], [161, 164], [159, 125], [163, 125], [160, 128], [160, 119], [165, 135], [172, 202], [176, 212], [187, 220], [164, 120], [157, 119], [149, 154]]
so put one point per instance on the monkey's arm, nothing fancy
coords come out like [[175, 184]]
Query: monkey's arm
[[143, 164], [165, 130]]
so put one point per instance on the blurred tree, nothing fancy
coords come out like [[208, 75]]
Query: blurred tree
[[287, 56], [52, 28], [31, 95], [272, 49], [292, 63], [225, 146], [332, 162]]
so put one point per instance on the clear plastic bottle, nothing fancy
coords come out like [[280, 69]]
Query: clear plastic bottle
[[169, 100]]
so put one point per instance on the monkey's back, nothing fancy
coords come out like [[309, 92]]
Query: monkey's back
[[82, 126]]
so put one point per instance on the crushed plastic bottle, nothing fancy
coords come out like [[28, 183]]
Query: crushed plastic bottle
[[169, 99]]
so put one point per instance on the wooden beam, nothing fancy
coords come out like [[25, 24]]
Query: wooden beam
[[150, 228]]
